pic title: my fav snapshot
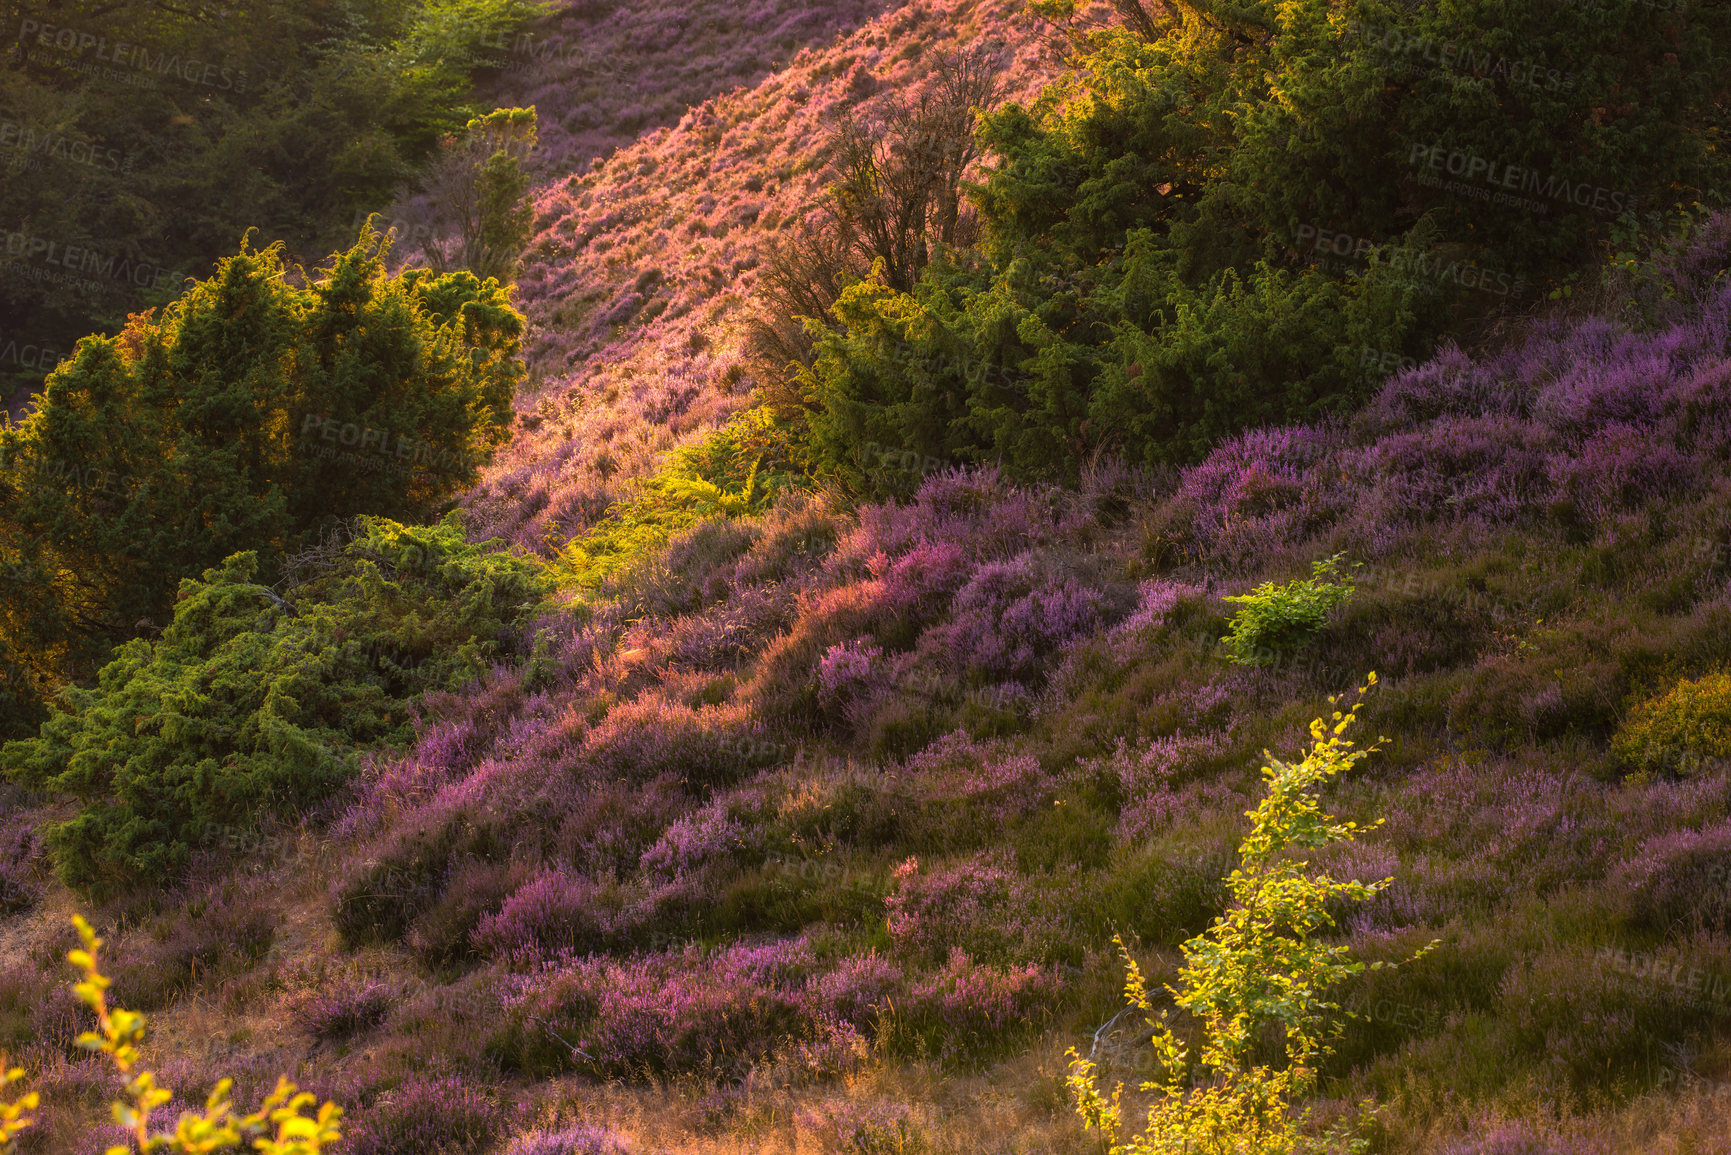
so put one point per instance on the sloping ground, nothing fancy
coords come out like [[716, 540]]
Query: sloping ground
[[602, 73], [817, 831], [639, 279]]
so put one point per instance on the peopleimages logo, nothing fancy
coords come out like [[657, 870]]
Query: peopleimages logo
[[83, 261], [1415, 51], [1472, 167], [1342, 252], [26, 140], [134, 57]]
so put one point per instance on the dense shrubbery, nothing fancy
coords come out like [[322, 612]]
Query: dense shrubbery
[[1177, 247], [250, 702], [145, 140], [251, 415], [736, 470], [679, 793]]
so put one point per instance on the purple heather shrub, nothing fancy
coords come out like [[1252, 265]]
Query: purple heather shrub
[[1156, 599], [976, 511], [828, 1049], [577, 1139], [425, 1114], [1169, 782], [606, 827], [1448, 384], [673, 1012], [651, 736], [980, 904], [857, 989], [956, 766], [1010, 618], [1681, 879], [729, 634], [1162, 763], [1618, 467], [851, 1128], [970, 1006], [1600, 393], [711, 834], [921, 581], [1260, 485], [1491, 467], [555, 911], [846, 671], [1162, 810], [346, 1009]]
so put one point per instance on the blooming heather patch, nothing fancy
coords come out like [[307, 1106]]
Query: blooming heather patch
[[1682, 880], [427, 1114], [672, 1012], [1583, 420], [343, 1010], [578, 1139], [980, 904], [969, 1008]]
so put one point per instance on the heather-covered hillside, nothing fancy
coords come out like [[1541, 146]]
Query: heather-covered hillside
[[764, 755], [640, 276], [818, 824]]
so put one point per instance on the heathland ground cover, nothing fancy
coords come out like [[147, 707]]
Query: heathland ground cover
[[770, 753]]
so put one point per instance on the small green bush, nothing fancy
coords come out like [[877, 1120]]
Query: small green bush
[[736, 471], [1263, 967], [1277, 618], [251, 701], [1680, 731]]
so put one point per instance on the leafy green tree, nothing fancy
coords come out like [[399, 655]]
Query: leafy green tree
[[481, 219], [249, 415], [251, 702], [1264, 969]]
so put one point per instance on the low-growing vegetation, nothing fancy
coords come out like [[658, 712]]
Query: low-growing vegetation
[[252, 702], [889, 546]]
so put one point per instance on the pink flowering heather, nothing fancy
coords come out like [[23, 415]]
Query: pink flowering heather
[[970, 1006], [577, 1139], [846, 670], [1156, 598], [555, 911], [980, 904], [672, 1012], [858, 989], [1168, 782], [426, 1114], [713, 833], [1681, 880], [343, 1010]]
